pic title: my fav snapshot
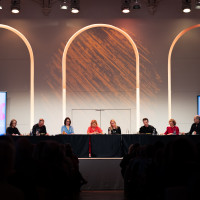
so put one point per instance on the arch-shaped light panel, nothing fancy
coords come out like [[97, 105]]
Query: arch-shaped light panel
[[137, 67], [31, 68], [169, 66]]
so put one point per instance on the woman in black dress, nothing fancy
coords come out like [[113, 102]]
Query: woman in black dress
[[114, 129], [12, 129]]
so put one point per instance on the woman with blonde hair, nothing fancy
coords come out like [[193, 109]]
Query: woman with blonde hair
[[94, 128], [114, 129]]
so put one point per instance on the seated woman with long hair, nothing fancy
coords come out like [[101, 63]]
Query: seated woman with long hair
[[12, 129], [114, 129], [67, 128], [94, 128]]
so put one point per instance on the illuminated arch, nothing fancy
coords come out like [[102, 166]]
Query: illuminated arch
[[169, 66], [137, 67], [31, 68]]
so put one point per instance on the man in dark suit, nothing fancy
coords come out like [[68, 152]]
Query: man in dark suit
[[39, 128], [147, 129], [195, 128]]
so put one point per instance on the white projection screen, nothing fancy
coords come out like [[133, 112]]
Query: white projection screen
[[3, 96]]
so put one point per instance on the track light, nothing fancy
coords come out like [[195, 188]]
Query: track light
[[1, 7], [63, 5], [126, 6], [197, 4], [186, 6], [15, 6], [136, 4], [75, 8]]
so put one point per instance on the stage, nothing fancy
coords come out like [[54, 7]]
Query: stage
[[101, 173]]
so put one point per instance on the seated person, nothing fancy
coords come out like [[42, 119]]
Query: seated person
[[12, 129], [67, 128], [147, 129], [93, 128], [114, 129], [172, 129], [195, 128], [39, 128]]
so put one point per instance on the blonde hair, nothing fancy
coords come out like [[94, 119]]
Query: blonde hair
[[112, 120], [93, 121], [173, 120]]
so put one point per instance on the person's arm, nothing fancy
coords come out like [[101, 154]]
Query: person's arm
[[166, 132], [119, 130], [154, 130], [140, 131], [45, 130], [88, 131], [8, 131], [191, 130], [100, 131], [18, 133], [34, 130], [62, 129]]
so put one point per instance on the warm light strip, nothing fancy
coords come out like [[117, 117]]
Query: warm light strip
[[169, 67], [137, 67], [31, 69]]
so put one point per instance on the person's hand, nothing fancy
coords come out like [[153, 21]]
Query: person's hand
[[182, 133], [194, 133]]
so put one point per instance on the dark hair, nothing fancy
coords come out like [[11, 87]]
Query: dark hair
[[65, 121], [11, 122], [144, 119]]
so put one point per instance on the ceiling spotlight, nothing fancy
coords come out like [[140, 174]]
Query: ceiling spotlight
[[15, 6], [126, 6], [63, 5], [136, 4], [186, 6], [75, 8], [197, 4], [1, 7]]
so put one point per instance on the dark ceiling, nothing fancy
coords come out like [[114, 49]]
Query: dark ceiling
[[99, 9]]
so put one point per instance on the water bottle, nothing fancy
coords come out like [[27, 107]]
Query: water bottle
[[154, 132], [174, 132], [37, 132]]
